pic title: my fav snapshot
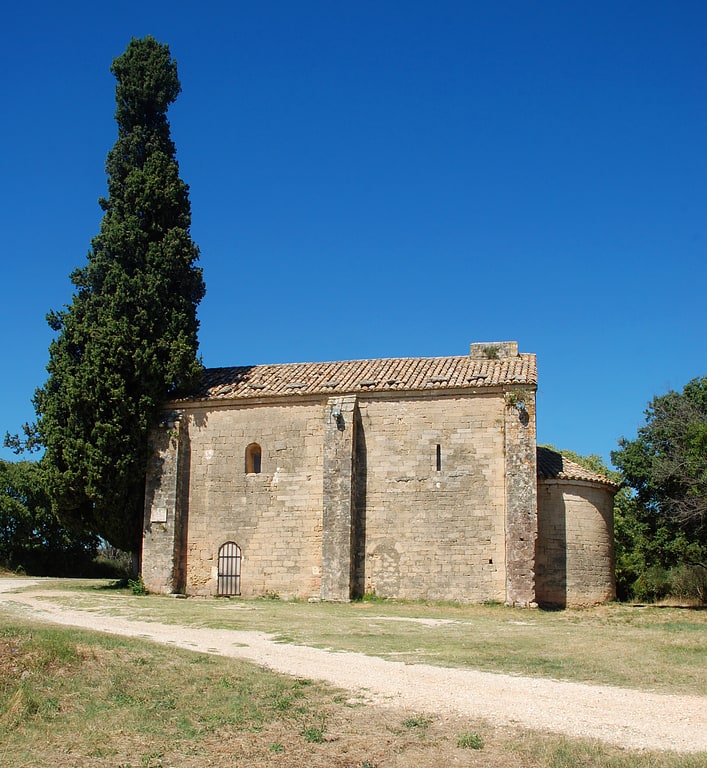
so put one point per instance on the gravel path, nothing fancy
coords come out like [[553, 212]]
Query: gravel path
[[630, 718]]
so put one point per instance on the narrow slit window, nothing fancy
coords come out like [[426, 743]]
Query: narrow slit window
[[253, 459], [439, 457]]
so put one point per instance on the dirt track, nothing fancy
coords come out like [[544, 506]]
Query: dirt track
[[633, 719]]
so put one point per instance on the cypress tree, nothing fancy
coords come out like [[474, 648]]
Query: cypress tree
[[128, 339]]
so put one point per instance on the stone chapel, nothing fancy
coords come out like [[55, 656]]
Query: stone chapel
[[410, 478]]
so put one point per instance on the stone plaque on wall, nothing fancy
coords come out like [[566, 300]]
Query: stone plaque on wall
[[158, 515]]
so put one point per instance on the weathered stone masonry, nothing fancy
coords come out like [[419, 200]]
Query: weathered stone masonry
[[410, 478], [575, 552], [338, 519]]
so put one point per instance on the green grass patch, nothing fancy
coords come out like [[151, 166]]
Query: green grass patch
[[470, 741], [100, 696], [313, 734], [417, 721]]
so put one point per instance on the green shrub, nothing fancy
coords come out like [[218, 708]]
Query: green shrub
[[417, 721], [689, 582], [313, 734], [137, 586], [684, 582], [372, 597], [470, 741], [653, 584]]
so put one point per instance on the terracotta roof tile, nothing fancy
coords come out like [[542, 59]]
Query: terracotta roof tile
[[553, 465], [349, 376]]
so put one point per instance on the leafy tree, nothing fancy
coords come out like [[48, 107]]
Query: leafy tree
[[665, 526], [667, 466], [128, 340], [30, 535]]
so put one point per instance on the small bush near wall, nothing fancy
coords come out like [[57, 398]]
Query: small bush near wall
[[653, 584], [689, 582], [684, 582], [112, 563]]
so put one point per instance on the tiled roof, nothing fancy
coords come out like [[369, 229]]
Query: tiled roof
[[553, 465], [352, 376]]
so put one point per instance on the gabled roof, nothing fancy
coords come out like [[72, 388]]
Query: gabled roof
[[354, 376], [554, 466]]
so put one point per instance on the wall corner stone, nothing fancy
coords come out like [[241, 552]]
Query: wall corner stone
[[521, 497], [164, 524], [338, 499]]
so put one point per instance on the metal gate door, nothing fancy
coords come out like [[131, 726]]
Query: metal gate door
[[229, 569]]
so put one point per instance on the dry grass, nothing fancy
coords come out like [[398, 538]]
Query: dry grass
[[657, 648], [71, 699]]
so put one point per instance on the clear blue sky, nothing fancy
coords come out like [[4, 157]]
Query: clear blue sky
[[385, 179]]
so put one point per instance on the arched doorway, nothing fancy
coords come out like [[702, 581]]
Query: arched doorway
[[229, 569]]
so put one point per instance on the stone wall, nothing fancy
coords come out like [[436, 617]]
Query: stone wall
[[432, 500], [165, 523], [338, 513], [275, 516], [521, 496], [413, 495], [575, 548], [404, 496]]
